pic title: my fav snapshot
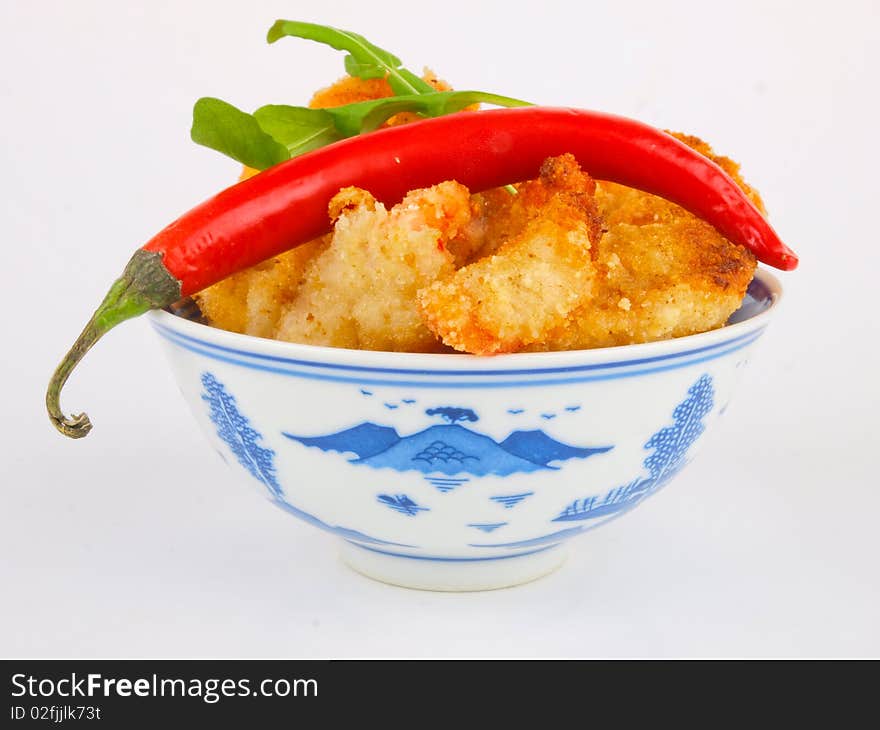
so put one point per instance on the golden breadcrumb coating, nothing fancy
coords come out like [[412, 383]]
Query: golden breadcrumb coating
[[663, 272], [361, 291], [252, 300], [542, 272], [657, 281], [565, 263]]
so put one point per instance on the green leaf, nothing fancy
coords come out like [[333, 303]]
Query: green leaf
[[364, 60], [363, 70], [405, 80], [298, 128], [222, 127], [366, 116], [277, 132]]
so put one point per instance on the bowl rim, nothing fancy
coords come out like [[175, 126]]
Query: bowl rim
[[179, 327]]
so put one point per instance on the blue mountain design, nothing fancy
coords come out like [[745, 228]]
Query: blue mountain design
[[449, 449], [538, 447], [364, 440]]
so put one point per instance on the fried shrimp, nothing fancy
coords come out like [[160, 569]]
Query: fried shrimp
[[656, 281], [361, 291], [662, 272], [542, 271], [565, 263], [251, 301]]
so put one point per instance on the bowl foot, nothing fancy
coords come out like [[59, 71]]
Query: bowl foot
[[452, 574]]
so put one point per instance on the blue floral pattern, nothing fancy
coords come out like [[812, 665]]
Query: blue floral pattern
[[242, 438], [670, 447], [451, 455], [239, 435]]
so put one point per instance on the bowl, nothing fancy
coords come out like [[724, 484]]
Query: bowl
[[458, 472]]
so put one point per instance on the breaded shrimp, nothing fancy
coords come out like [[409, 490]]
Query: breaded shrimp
[[542, 272], [251, 301], [663, 272], [361, 291], [656, 281]]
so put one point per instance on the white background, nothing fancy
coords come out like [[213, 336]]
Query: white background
[[138, 541]]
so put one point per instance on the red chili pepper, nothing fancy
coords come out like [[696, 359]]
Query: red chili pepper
[[286, 205]]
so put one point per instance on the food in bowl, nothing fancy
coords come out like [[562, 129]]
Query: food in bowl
[[286, 205], [479, 233], [566, 263], [456, 471], [559, 262]]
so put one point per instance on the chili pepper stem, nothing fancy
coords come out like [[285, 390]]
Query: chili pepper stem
[[144, 284]]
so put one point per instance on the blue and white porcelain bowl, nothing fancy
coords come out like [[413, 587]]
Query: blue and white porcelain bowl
[[457, 472]]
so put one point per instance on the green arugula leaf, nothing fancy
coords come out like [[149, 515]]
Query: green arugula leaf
[[405, 80], [298, 128], [364, 60], [366, 116], [276, 132], [363, 70], [222, 127]]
